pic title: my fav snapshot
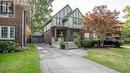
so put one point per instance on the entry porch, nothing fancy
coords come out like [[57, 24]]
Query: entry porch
[[68, 34]]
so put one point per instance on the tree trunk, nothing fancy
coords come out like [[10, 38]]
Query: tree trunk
[[102, 36], [91, 36]]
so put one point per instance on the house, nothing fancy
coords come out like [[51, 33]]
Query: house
[[13, 20], [115, 32], [67, 21]]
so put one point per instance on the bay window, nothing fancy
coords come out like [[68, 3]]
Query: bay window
[[7, 32]]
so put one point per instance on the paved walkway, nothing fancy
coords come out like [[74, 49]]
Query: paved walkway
[[53, 60]]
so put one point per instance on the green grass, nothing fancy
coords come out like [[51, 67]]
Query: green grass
[[114, 58], [20, 62]]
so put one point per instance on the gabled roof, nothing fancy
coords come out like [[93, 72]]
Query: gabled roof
[[69, 14], [48, 21], [56, 14], [66, 17], [64, 8]]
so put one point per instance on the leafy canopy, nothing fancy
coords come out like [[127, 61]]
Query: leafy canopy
[[40, 11], [126, 25], [100, 20]]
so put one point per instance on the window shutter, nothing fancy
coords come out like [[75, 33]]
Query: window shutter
[[16, 32]]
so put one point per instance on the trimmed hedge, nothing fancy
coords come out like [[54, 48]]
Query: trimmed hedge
[[7, 46], [62, 46], [127, 41], [89, 43]]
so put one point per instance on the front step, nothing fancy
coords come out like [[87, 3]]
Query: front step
[[70, 45]]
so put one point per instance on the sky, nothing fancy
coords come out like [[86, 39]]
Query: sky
[[87, 5]]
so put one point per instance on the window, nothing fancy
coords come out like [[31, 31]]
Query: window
[[57, 20], [7, 32], [6, 7], [76, 21], [4, 32], [12, 32]]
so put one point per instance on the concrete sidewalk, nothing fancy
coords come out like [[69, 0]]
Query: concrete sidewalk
[[53, 60]]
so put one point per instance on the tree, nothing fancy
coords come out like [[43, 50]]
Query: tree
[[126, 30], [126, 25], [40, 12], [127, 11], [100, 21], [29, 32]]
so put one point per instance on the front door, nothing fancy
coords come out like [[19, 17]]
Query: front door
[[63, 32]]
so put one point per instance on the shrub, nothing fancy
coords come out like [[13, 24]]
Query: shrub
[[7, 46], [89, 43], [62, 44], [77, 39], [127, 41]]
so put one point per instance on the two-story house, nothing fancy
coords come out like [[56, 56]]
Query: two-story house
[[67, 21], [13, 20]]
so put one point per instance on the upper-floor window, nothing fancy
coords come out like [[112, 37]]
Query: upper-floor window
[[6, 7], [7, 32], [76, 21], [57, 20]]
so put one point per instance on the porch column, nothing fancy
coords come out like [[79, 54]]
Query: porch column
[[69, 35], [55, 34]]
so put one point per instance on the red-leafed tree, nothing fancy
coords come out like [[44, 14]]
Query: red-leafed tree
[[100, 21]]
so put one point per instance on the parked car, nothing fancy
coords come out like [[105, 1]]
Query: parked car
[[114, 41]]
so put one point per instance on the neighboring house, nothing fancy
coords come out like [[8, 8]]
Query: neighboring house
[[66, 21], [13, 20], [115, 32]]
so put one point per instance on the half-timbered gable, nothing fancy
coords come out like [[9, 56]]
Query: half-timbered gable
[[74, 20], [66, 21], [57, 18]]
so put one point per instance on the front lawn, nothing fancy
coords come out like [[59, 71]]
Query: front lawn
[[20, 62], [114, 58]]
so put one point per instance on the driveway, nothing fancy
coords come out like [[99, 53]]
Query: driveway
[[54, 60]]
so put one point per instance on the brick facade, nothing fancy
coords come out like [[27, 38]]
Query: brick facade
[[19, 21], [47, 36]]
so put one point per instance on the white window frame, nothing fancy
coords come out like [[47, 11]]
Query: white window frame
[[8, 15], [13, 32], [8, 36], [5, 5]]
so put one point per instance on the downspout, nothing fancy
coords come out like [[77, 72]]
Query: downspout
[[23, 33]]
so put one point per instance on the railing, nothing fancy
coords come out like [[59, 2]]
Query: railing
[[68, 26]]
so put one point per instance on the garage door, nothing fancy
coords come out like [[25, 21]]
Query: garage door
[[37, 39]]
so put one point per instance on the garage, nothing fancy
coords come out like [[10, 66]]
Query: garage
[[37, 37]]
